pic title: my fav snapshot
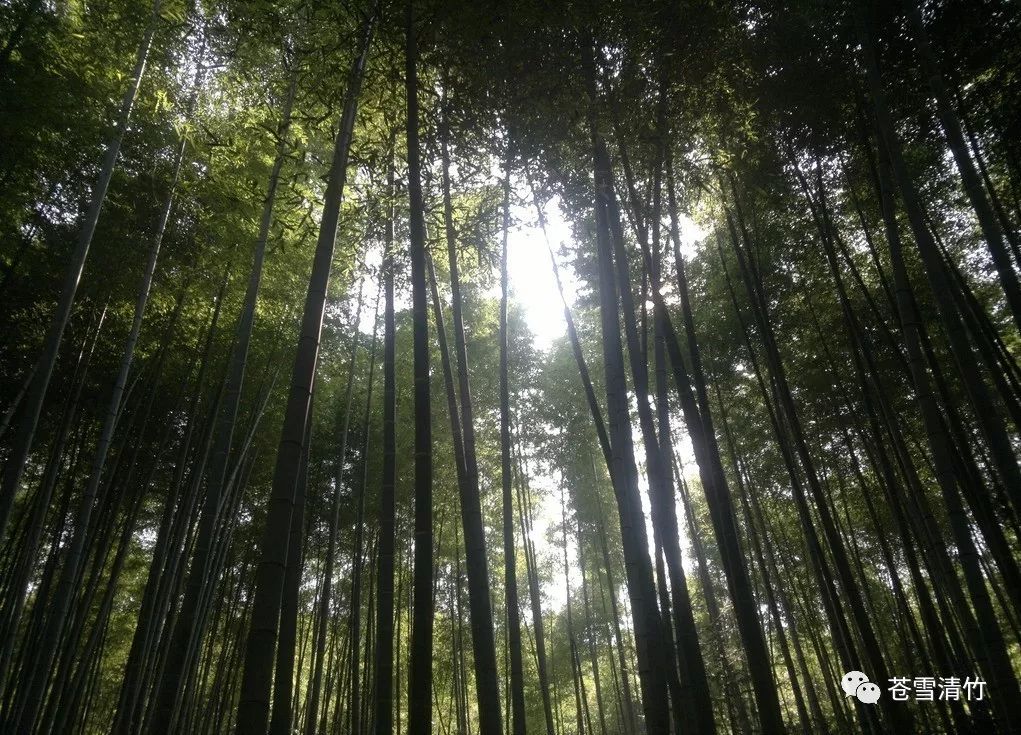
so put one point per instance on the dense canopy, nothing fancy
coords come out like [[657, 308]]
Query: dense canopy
[[578, 368]]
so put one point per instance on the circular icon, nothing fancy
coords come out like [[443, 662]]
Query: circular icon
[[868, 693], [851, 681]]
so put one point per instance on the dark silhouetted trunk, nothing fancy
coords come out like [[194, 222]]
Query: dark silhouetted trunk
[[487, 686], [420, 665], [257, 677], [383, 670]]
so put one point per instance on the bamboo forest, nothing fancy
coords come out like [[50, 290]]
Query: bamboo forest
[[592, 367]]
